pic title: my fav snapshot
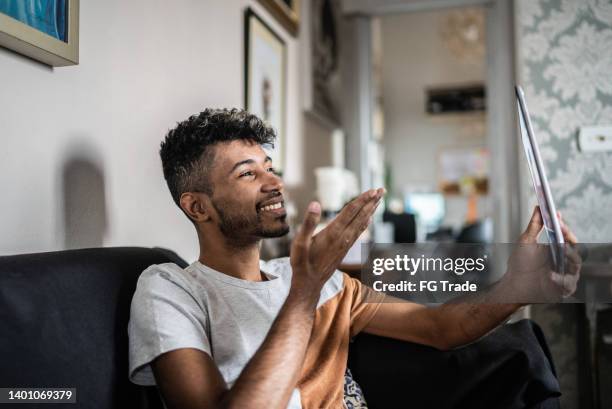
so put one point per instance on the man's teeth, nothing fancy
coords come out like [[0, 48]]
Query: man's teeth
[[272, 207]]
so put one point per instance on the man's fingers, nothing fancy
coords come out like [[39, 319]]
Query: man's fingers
[[351, 210], [360, 222], [573, 257], [568, 235]]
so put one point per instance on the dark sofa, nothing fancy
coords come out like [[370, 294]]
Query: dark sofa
[[64, 319]]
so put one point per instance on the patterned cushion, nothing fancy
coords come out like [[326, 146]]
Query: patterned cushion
[[353, 396]]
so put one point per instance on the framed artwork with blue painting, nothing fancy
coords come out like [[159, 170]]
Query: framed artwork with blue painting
[[45, 30]]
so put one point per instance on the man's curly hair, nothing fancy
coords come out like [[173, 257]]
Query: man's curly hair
[[187, 153]]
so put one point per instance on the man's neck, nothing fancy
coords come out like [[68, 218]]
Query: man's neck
[[240, 261]]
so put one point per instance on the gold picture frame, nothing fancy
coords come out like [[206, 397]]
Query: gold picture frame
[[31, 42], [286, 12]]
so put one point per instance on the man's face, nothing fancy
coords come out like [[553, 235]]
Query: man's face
[[247, 194]]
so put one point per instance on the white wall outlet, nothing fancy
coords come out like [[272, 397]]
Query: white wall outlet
[[595, 138]]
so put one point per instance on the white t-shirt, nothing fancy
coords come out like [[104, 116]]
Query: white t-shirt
[[228, 318]]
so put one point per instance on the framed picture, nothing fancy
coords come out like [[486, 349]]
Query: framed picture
[[321, 28], [45, 30], [287, 12], [265, 79]]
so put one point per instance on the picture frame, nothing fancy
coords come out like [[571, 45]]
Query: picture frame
[[265, 80], [286, 12], [321, 25], [44, 30]]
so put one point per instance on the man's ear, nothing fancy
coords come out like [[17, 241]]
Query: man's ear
[[196, 206]]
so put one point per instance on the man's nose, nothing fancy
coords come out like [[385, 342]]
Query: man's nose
[[272, 182]]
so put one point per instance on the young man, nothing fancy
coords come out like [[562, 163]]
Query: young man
[[232, 331]]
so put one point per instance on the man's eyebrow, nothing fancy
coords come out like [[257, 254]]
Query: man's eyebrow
[[247, 161]]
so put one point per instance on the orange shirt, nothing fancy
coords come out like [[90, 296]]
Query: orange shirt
[[337, 320]]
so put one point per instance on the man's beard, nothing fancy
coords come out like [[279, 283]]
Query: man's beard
[[239, 225]]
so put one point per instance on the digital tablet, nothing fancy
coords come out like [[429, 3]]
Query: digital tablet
[[540, 183]]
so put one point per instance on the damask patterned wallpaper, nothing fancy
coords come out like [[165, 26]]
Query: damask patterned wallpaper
[[564, 62], [565, 66]]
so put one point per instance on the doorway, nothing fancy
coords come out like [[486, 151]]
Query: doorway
[[433, 101], [438, 138]]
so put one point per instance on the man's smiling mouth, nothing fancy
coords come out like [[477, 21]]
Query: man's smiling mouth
[[275, 207], [272, 207]]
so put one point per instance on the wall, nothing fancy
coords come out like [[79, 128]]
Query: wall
[[80, 163], [564, 61], [414, 57], [564, 58]]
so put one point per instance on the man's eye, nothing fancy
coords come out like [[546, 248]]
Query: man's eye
[[248, 173], [272, 170]]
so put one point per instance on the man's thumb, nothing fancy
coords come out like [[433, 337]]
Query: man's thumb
[[311, 220], [535, 224]]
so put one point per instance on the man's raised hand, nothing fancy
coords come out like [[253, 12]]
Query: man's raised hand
[[331, 244]]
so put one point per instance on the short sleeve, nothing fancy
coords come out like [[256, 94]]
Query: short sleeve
[[364, 303], [164, 316]]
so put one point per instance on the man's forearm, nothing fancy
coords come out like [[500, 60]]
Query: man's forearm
[[469, 318], [271, 375]]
